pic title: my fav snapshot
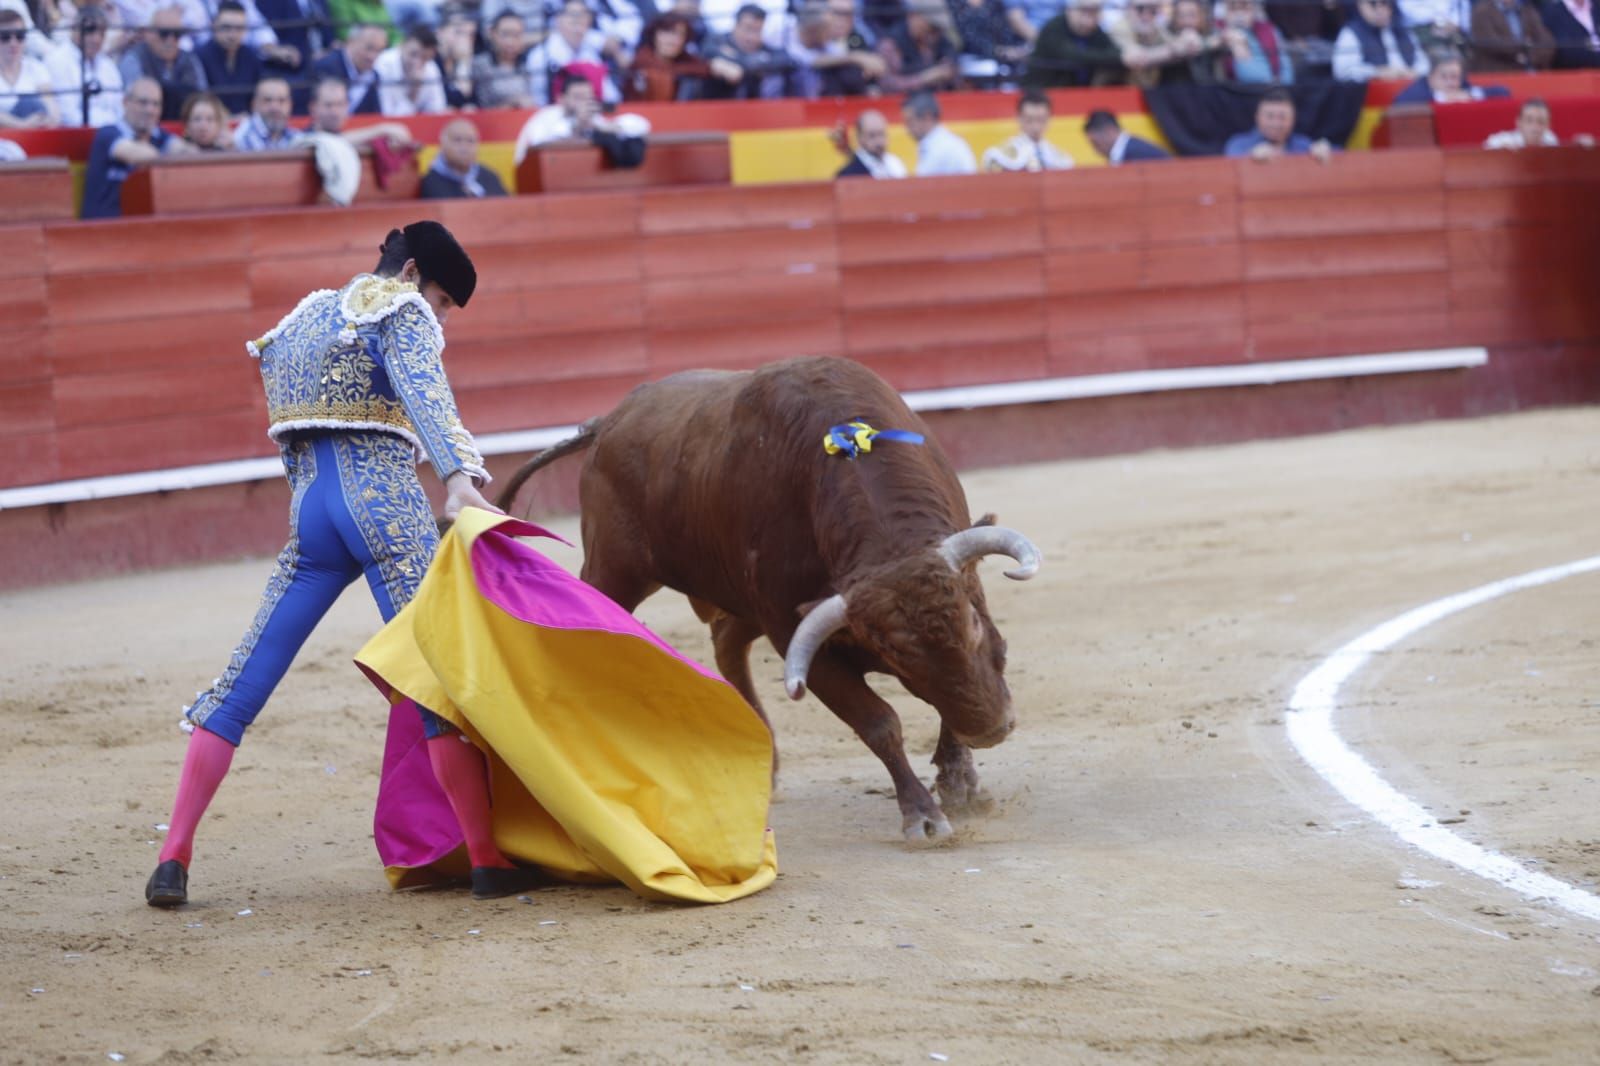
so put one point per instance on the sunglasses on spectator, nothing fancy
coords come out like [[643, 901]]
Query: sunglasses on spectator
[[169, 35], [13, 35], [1146, 9]]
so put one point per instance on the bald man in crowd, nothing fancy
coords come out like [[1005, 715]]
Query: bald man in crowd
[[871, 158], [456, 172]]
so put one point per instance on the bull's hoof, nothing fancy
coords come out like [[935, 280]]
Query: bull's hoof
[[922, 828]]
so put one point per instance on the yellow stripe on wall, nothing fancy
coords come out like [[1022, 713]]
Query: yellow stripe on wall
[[765, 156]]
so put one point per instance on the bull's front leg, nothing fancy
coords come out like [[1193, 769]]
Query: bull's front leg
[[847, 695], [958, 777]]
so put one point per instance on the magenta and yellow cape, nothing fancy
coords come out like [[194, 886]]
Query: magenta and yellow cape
[[612, 757]]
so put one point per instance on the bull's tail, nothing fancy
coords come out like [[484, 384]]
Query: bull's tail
[[575, 443]]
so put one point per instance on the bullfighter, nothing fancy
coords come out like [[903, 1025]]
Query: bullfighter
[[356, 395]]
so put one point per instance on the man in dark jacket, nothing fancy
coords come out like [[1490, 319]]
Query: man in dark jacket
[[160, 55], [232, 67], [1072, 51], [1116, 144], [1577, 45], [456, 173]]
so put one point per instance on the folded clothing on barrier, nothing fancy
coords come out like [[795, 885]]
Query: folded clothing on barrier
[[612, 756]]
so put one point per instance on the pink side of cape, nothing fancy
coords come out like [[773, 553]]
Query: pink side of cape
[[413, 825]]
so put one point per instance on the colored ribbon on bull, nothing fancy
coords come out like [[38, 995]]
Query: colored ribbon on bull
[[851, 439]]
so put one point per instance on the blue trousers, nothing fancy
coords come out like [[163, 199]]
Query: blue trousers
[[357, 509]]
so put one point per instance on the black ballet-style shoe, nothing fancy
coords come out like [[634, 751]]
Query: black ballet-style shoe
[[168, 886], [496, 882]]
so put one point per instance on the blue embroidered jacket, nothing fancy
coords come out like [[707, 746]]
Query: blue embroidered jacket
[[366, 357]]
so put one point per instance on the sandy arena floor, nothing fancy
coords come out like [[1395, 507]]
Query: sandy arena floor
[[1166, 881]]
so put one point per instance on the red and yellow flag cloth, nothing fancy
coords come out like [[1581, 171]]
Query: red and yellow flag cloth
[[612, 756]]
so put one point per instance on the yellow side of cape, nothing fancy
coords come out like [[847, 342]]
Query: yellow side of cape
[[610, 759]]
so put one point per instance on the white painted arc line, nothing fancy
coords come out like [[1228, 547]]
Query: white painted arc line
[[1311, 730], [967, 397]]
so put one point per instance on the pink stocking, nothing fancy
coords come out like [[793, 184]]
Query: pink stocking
[[205, 764], [464, 777]]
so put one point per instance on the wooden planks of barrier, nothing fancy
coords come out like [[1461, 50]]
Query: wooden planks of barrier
[[248, 181], [669, 159], [36, 190]]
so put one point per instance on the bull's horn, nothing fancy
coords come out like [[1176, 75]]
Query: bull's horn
[[961, 548], [825, 619]]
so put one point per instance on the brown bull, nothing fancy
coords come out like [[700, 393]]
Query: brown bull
[[717, 484]]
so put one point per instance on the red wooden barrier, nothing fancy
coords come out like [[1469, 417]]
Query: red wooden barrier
[[125, 341], [669, 159], [35, 190]]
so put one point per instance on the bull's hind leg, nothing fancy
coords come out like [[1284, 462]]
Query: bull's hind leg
[[614, 560], [847, 695], [958, 778]]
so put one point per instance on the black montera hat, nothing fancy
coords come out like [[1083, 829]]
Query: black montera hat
[[441, 260]]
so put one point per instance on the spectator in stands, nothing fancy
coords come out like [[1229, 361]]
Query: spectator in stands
[[662, 67], [871, 157], [160, 55], [1190, 22], [232, 67], [355, 63], [409, 82], [498, 76], [939, 151], [205, 123], [1374, 45], [574, 41], [621, 23], [456, 172], [1255, 52], [531, 12], [85, 53], [1509, 35], [305, 33], [364, 12], [27, 99], [1148, 45], [1533, 130], [1027, 18], [989, 47], [1071, 51], [762, 73], [921, 54], [267, 129], [1116, 144], [408, 15], [825, 64], [458, 42], [330, 108], [1308, 28], [1572, 23], [1445, 84], [1028, 150], [575, 115], [119, 148], [1436, 24], [1274, 134]]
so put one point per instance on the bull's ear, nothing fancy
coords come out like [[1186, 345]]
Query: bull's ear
[[987, 520]]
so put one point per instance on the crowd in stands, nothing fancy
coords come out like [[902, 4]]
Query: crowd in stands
[[69, 61], [265, 75]]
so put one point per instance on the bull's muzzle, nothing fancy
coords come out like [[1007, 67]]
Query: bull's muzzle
[[990, 737]]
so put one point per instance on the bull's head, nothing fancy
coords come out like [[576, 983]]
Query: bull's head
[[926, 618]]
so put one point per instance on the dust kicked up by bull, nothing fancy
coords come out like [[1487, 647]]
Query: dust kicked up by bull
[[718, 484]]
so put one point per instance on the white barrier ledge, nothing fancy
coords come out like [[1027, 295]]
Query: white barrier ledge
[[965, 397]]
